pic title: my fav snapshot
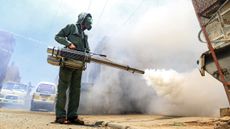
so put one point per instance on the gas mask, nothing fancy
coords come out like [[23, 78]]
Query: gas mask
[[88, 23]]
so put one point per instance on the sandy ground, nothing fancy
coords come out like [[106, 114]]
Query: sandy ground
[[18, 119]]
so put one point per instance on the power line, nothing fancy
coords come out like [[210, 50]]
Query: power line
[[42, 43], [132, 14], [99, 18], [125, 21], [129, 17], [101, 13]]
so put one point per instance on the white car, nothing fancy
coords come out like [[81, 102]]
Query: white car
[[43, 99], [14, 93]]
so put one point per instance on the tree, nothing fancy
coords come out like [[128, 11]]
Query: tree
[[13, 73]]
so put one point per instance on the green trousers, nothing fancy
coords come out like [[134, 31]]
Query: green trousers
[[68, 78]]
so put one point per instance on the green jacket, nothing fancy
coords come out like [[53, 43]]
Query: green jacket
[[73, 34]]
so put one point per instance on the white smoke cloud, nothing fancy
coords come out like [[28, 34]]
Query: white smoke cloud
[[164, 37], [165, 83], [186, 93]]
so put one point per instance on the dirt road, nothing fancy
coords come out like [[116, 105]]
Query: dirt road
[[16, 119]]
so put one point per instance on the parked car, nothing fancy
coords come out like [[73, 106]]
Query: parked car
[[43, 99], [13, 93]]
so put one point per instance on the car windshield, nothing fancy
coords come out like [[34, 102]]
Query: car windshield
[[46, 88], [15, 86]]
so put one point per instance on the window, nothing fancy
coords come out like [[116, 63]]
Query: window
[[46, 88]]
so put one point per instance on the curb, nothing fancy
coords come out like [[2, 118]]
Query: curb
[[116, 125]]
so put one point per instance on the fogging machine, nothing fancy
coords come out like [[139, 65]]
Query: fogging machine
[[76, 59]]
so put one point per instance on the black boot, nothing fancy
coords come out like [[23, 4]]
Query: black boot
[[61, 120], [75, 120]]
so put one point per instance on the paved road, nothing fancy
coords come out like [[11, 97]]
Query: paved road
[[18, 119]]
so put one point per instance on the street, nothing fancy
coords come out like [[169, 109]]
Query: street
[[19, 119]]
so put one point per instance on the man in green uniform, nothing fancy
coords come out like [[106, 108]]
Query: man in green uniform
[[73, 37]]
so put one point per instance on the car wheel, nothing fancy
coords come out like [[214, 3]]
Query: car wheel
[[1, 105], [32, 106]]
